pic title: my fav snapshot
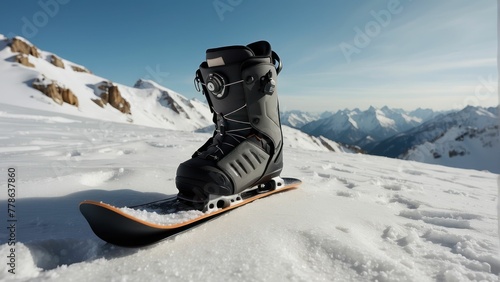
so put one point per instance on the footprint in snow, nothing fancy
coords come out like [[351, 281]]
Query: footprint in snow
[[346, 182], [409, 203], [460, 220], [160, 145]]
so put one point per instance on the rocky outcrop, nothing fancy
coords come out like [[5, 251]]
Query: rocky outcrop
[[49, 89], [170, 103], [20, 46], [99, 102], [25, 50], [68, 96], [58, 93], [24, 60], [116, 100], [56, 61], [80, 69], [109, 93], [101, 91]]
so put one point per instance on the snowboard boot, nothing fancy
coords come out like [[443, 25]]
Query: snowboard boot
[[239, 83]]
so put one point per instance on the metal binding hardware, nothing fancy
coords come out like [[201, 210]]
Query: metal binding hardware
[[216, 202]]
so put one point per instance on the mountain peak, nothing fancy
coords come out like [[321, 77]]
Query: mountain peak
[[478, 111], [146, 83]]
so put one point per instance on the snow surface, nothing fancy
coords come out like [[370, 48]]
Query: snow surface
[[162, 219], [355, 217]]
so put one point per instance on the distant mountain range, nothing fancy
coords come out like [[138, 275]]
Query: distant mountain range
[[465, 147], [468, 138], [365, 128], [297, 119], [430, 131]]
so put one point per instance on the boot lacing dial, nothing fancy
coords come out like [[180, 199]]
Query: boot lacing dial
[[216, 84]]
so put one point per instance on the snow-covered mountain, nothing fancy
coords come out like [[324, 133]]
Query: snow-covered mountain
[[462, 147], [472, 143], [465, 139], [457, 126], [38, 79], [362, 128], [294, 138], [297, 119], [192, 111], [425, 114]]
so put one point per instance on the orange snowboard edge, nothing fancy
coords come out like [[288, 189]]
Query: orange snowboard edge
[[109, 207]]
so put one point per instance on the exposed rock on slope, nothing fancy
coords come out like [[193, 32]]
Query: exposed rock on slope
[[55, 91], [80, 69], [24, 60], [25, 50], [56, 61], [109, 93], [19, 46]]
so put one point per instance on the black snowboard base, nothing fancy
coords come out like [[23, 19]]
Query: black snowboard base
[[117, 227]]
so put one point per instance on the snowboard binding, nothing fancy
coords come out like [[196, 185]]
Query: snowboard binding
[[245, 151], [215, 202]]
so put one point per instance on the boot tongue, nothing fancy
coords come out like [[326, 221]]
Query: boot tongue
[[261, 48], [228, 55]]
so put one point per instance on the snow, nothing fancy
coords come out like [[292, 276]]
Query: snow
[[355, 217], [162, 219], [54, 119], [294, 138]]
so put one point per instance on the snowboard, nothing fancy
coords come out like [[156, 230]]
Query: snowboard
[[148, 223]]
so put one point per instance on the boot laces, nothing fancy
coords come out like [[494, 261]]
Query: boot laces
[[226, 139]]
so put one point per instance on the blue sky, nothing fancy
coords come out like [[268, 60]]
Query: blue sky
[[336, 54]]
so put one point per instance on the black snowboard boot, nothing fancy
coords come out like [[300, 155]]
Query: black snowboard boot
[[239, 83]]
